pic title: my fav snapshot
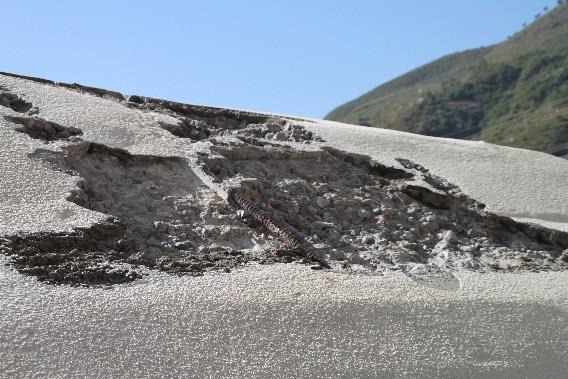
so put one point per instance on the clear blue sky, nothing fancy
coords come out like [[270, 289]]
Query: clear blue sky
[[284, 56]]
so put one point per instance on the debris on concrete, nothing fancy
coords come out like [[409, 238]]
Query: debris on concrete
[[200, 128], [290, 199]]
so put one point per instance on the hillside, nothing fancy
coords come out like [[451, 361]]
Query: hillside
[[513, 93]]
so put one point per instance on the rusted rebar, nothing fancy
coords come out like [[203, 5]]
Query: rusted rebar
[[288, 238]]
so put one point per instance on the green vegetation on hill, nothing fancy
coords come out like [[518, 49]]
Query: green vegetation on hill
[[514, 93]]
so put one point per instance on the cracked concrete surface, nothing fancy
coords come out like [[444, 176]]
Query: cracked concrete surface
[[272, 319], [338, 209]]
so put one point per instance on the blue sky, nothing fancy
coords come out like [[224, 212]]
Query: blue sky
[[292, 57]]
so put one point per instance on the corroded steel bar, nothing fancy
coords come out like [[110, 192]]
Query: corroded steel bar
[[275, 229]]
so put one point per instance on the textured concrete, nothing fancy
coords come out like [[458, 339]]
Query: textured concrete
[[279, 320]]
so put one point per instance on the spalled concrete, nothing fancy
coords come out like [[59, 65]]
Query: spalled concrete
[[271, 320]]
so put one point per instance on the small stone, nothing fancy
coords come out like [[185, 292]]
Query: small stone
[[368, 240], [183, 245], [429, 218], [322, 202], [194, 134], [507, 264], [363, 213], [447, 240], [161, 226]]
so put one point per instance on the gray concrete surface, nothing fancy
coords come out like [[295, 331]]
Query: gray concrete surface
[[279, 320]]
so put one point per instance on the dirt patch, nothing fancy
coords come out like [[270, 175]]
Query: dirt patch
[[46, 131], [367, 216]]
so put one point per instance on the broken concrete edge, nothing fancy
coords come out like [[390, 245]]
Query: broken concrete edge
[[221, 191], [100, 92], [39, 128], [207, 111], [436, 195], [182, 108]]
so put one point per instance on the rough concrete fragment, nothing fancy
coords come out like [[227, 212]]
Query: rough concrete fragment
[[322, 202], [14, 102], [199, 128], [46, 131]]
